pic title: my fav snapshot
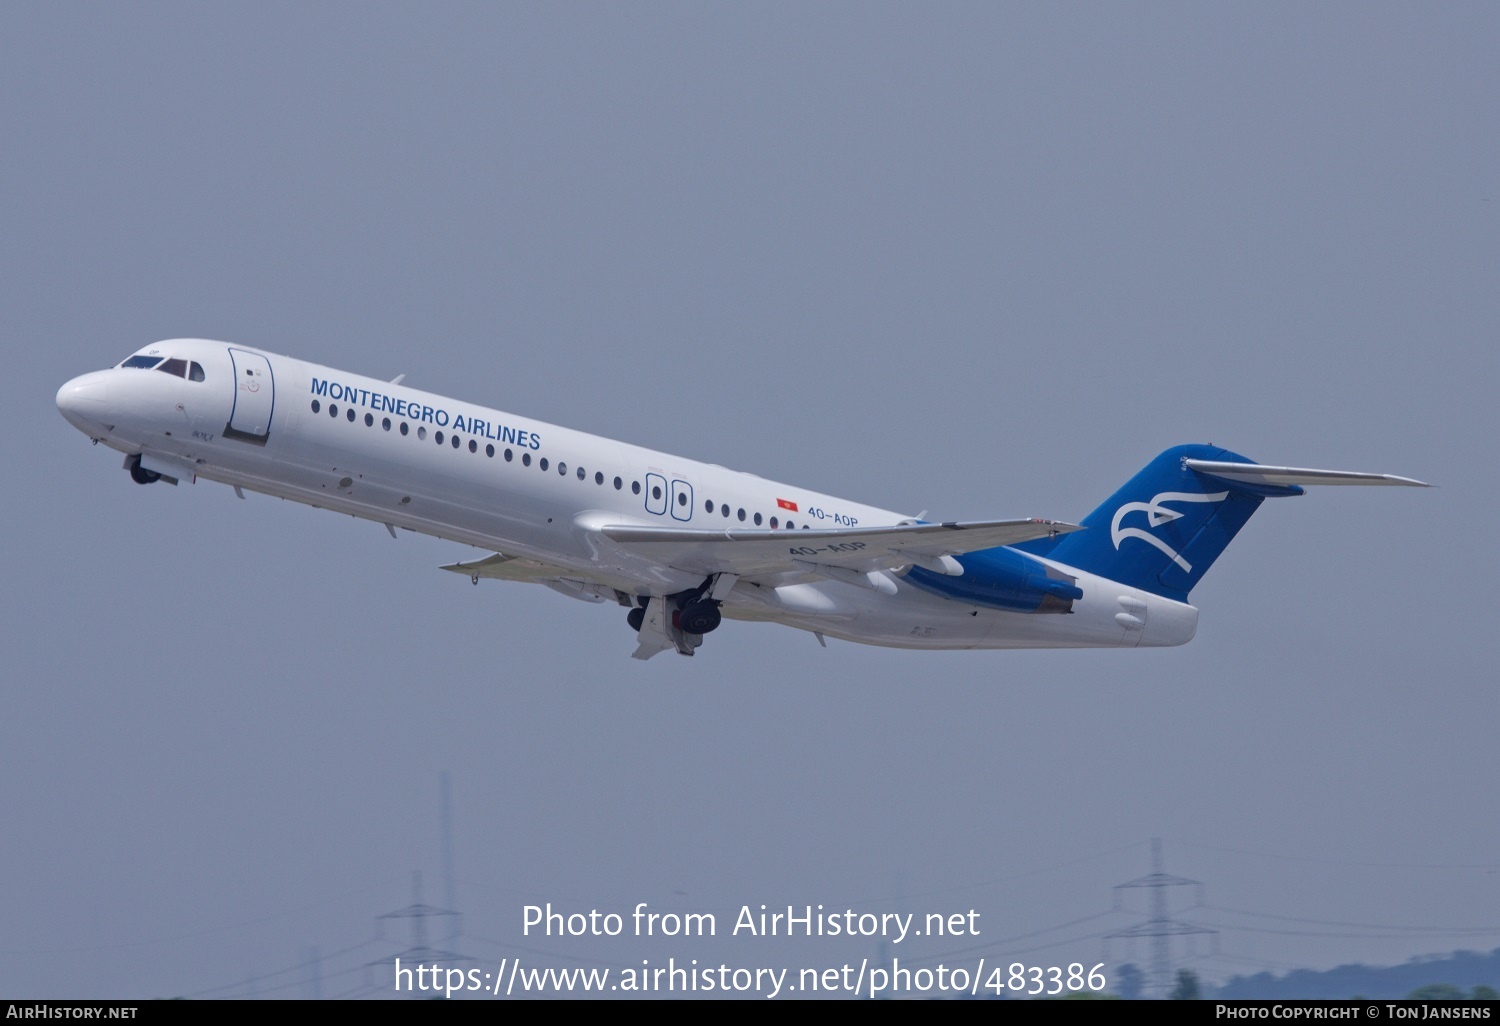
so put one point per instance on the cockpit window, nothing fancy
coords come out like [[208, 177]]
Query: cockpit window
[[195, 371], [174, 366], [142, 361]]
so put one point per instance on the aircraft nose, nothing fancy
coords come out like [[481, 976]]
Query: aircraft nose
[[82, 401]]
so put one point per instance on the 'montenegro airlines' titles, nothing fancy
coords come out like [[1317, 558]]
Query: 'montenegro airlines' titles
[[422, 413], [680, 544]]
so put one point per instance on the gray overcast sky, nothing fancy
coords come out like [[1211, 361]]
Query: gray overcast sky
[[980, 259]]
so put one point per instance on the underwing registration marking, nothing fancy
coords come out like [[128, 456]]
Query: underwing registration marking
[[808, 550]]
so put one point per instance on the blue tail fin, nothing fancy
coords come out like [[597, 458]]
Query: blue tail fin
[[1164, 529]]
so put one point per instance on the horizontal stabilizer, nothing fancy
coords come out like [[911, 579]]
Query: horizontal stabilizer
[[865, 549], [1254, 473]]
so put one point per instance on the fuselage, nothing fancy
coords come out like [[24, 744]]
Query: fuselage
[[192, 408]]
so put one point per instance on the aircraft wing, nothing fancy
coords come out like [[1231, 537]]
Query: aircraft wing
[[532, 571], [750, 553], [509, 568]]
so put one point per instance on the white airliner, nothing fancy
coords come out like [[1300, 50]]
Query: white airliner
[[679, 543]]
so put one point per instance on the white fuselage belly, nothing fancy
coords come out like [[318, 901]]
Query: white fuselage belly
[[463, 495]]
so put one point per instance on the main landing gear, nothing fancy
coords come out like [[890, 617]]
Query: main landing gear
[[700, 616], [663, 622], [693, 611]]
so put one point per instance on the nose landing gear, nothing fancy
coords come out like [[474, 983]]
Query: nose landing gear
[[139, 474]]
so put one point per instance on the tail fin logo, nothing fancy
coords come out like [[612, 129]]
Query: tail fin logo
[[1156, 515]]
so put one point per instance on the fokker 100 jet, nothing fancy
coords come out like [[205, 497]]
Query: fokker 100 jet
[[680, 544]]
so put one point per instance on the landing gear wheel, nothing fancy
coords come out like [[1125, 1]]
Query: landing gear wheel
[[140, 475], [635, 618], [700, 617]]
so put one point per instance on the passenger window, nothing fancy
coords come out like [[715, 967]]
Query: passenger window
[[439, 437], [773, 523], [195, 371], [369, 420], [618, 484], [386, 424], [525, 459], [598, 477], [317, 406], [562, 468], [458, 441], [757, 520], [635, 487], [422, 433], [507, 455], [656, 491], [581, 474], [542, 463], [174, 366], [724, 509], [333, 409], [708, 507], [350, 414], [682, 498], [403, 427], [742, 515], [489, 450]]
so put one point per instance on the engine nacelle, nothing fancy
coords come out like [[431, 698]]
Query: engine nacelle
[[1003, 579]]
